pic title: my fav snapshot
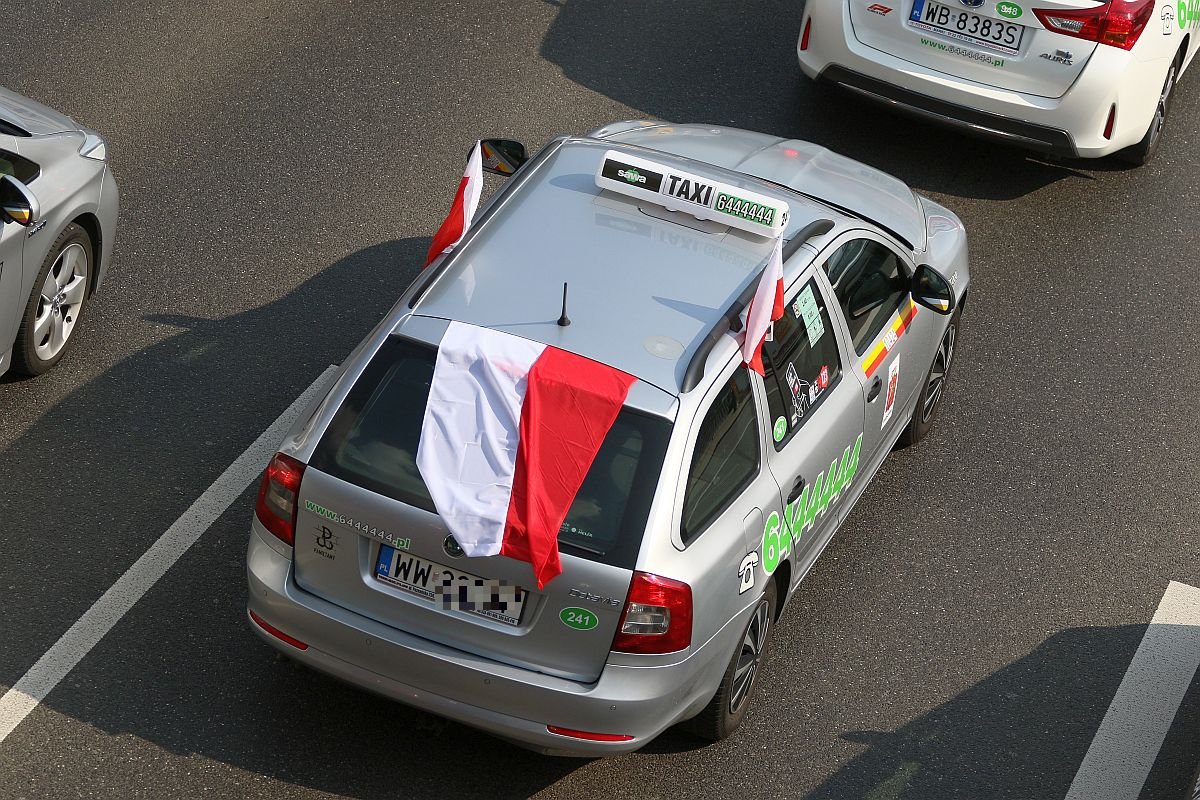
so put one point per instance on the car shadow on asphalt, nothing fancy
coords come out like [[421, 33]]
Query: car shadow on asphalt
[[1020, 733], [734, 63]]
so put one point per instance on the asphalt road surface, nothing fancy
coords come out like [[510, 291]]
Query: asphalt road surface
[[283, 164]]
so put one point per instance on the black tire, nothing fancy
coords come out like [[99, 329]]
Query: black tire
[[934, 387], [30, 354], [725, 712], [1144, 151]]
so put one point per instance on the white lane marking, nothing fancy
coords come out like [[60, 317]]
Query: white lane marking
[[1126, 745], [61, 658]]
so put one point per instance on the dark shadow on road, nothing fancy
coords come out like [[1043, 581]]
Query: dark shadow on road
[[182, 670], [1021, 733], [734, 63]]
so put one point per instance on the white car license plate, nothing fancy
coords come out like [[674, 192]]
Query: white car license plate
[[968, 26], [450, 588]]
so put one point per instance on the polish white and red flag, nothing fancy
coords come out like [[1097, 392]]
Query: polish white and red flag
[[510, 431], [462, 210], [765, 307]]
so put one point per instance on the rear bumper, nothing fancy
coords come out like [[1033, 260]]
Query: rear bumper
[[512, 703], [980, 123], [108, 206], [1070, 125]]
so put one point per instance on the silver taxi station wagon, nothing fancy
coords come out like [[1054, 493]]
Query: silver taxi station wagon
[[713, 492]]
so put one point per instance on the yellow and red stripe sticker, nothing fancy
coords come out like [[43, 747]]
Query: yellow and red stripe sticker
[[900, 322]]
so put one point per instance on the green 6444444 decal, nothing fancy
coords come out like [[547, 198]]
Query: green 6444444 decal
[[779, 535]]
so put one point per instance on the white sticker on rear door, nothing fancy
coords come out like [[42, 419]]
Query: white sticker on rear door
[[893, 383], [806, 309]]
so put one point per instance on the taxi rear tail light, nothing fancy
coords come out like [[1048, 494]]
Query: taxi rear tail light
[[278, 634], [591, 737], [276, 505], [657, 616], [1118, 23], [805, 35]]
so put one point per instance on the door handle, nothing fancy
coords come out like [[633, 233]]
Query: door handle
[[797, 489], [873, 392]]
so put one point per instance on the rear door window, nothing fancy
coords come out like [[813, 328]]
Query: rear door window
[[801, 362], [869, 282], [373, 438]]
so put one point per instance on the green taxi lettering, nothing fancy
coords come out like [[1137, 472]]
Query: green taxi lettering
[[779, 535]]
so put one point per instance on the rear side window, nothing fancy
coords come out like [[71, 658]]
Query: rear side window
[[373, 438], [20, 168], [726, 457], [801, 362], [869, 283]]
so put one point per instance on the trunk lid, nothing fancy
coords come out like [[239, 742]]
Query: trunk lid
[[1001, 44], [369, 540]]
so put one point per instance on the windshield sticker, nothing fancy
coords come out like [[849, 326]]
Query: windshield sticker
[[805, 308], [890, 401], [780, 429], [900, 322], [815, 498], [746, 572]]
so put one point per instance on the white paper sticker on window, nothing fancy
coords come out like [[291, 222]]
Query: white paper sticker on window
[[806, 309]]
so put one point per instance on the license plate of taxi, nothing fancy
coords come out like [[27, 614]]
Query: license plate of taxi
[[449, 588], [968, 26]]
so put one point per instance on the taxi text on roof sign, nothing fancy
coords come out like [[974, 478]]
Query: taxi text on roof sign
[[701, 197]]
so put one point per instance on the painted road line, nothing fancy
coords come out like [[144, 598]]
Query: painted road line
[[61, 658], [1126, 745]]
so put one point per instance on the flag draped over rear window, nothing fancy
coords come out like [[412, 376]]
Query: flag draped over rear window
[[509, 433], [462, 210], [765, 307]]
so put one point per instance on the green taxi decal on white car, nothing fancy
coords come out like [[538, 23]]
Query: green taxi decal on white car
[[803, 513]]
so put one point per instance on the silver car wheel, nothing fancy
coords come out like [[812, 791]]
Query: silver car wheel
[[61, 297], [753, 646], [938, 372], [1164, 100]]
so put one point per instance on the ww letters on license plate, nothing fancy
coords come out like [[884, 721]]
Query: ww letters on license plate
[[449, 588]]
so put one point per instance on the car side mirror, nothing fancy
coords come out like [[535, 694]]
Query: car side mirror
[[502, 156], [932, 290], [17, 203]]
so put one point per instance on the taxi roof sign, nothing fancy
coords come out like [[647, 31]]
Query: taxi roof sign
[[694, 194]]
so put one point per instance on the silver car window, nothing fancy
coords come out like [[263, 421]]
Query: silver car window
[[725, 460], [20, 168], [801, 362], [870, 281]]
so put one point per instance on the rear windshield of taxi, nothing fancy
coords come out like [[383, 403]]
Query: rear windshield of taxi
[[372, 442]]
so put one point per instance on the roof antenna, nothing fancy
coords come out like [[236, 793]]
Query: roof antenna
[[564, 320]]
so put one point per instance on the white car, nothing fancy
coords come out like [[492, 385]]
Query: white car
[[1076, 78]]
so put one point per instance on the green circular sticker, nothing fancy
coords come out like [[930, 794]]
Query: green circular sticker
[[578, 618], [1010, 10], [780, 429]]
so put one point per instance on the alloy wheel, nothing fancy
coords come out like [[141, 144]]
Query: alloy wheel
[[750, 656], [60, 301], [938, 372]]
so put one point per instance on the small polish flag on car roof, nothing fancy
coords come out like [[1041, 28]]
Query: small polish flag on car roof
[[765, 307], [510, 431], [462, 210]]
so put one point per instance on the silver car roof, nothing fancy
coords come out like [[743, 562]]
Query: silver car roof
[[645, 285], [808, 168]]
